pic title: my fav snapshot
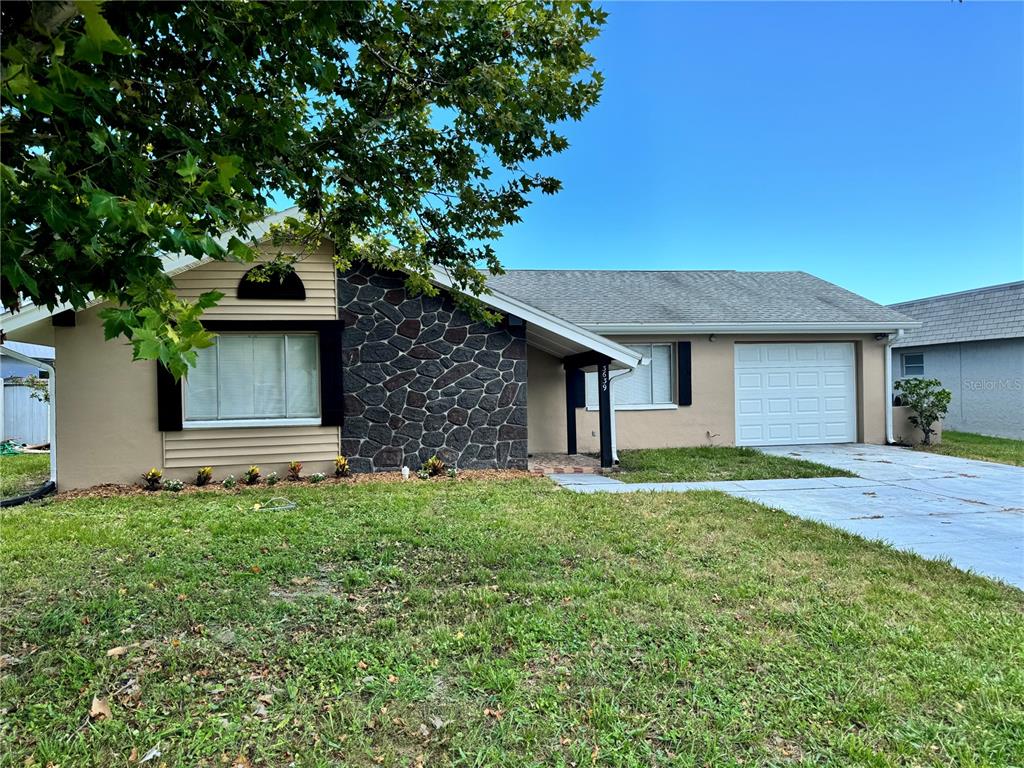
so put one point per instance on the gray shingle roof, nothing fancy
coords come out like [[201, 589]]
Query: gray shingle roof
[[996, 312], [588, 297]]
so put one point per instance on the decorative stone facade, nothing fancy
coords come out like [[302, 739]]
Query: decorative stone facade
[[421, 378]]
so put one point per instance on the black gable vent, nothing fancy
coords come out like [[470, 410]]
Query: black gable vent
[[287, 286]]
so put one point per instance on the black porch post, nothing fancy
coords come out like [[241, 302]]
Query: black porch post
[[570, 410], [604, 402]]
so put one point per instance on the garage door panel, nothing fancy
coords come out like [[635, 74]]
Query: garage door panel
[[795, 393], [807, 379], [808, 431], [750, 434], [807, 404]]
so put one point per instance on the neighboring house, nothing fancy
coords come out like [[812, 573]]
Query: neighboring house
[[13, 368], [323, 363], [24, 418], [973, 342]]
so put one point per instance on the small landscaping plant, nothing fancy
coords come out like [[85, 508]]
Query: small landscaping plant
[[173, 485], [422, 474], [153, 479], [272, 478], [341, 468], [434, 466], [204, 476], [928, 401], [251, 476], [295, 470], [452, 472], [317, 477], [229, 482]]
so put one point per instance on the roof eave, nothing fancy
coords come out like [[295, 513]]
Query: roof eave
[[748, 328], [620, 355]]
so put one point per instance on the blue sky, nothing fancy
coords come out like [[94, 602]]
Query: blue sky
[[876, 145]]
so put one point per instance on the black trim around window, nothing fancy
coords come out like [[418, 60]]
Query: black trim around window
[[169, 395]]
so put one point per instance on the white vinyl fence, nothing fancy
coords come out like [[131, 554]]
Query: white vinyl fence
[[25, 419]]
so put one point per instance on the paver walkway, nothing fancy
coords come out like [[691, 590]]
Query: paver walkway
[[969, 512]]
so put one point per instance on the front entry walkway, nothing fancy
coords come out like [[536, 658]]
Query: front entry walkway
[[969, 512]]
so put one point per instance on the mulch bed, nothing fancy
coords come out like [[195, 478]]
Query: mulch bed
[[110, 490]]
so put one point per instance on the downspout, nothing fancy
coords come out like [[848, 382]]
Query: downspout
[[893, 337], [612, 377]]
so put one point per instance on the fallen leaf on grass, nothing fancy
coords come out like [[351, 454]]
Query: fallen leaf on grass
[[133, 757], [362, 665], [100, 709], [497, 714], [392, 679]]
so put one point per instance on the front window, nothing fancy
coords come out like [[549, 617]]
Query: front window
[[647, 386], [912, 364], [254, 378]]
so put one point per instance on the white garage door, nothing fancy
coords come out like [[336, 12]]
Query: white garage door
[[795, 393]]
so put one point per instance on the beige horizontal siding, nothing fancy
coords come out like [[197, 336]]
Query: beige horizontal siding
[[242, 446], [316, 270]]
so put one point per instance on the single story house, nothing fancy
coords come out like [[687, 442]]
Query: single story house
[[973, 342], [322, 363]]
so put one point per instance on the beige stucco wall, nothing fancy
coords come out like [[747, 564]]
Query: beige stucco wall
[[906, 433], [106, 407], [712, 417], [107, 404], [545, 402]]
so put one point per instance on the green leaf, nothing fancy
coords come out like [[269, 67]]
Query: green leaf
[[188, 169], [103, 205], [227, 169], [209, 299], [96, 27]]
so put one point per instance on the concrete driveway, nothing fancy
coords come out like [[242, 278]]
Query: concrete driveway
[[969, 512]]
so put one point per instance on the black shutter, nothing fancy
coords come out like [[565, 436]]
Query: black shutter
[[685, 373], [168, 401], [579, 388], [332, 390]]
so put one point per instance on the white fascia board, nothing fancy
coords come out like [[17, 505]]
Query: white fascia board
[[574, 333], [745, 328]]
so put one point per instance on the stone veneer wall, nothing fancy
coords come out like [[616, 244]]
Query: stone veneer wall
[[421, 378]]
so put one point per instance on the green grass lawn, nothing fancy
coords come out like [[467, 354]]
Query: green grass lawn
[[491, 624], [715, 463], [968, 445], [22, 473]]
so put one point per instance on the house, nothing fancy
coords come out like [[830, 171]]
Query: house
[[12, 367], [323, 363], [973, 342], [24, 415]]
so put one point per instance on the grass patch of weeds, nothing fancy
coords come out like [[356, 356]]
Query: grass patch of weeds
[[491, 624]]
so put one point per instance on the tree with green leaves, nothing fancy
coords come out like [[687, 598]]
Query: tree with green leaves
[[406, 131], [928, 401]]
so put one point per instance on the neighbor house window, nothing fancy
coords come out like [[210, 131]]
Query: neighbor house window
[[645, 386], [912, 364], [254, 378]]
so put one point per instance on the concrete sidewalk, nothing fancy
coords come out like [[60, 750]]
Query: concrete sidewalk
[[969, 512]]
